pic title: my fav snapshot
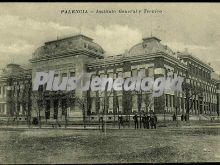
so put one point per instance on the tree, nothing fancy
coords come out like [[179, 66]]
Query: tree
[[105, 105], [190, 92]]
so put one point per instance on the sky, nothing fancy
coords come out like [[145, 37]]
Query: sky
[[26, 26]]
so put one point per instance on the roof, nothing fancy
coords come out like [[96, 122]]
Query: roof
[[151, 38], [71, 37], [193, 58], [61, 46], [149, 45]]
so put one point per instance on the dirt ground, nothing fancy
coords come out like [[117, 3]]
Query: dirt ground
[[114, 146]]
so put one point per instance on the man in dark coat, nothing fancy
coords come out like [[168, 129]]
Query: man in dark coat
[[148, 121], [182, 117], [135, 118], [144, 120], [174, 117], [120, 121], [185, 117], [155, 120], [151, 121]]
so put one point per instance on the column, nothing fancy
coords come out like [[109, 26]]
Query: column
[[180, 103], [1, 91], [134, 103], [143, 105], [168, 102], [110, 108], [171, 102], [21, 109], [5, 109], [93, 105], [120, 103]]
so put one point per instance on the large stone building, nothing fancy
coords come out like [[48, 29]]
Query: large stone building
[[78, 54], [15, 91]]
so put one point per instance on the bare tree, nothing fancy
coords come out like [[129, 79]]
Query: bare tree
[[190, 92]]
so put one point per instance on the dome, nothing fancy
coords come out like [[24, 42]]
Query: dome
[[69, 43], [12, 70], [148, 46]]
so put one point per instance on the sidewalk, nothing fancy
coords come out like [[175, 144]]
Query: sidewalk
[[109, 127]]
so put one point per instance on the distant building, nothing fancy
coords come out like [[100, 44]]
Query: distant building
[[15, 85], [78, 54]]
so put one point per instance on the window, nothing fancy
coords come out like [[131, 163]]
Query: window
[[182, 103], [204, 74], [142, 72], [144, 45], [3, 107], [64, 75], [170, 101], [166, 100], [72, 74], [120, 74], [111, 75], [85, 45], [3, 90], [134, 73], [41, 87]]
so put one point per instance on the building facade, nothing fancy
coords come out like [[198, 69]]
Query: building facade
[[16, 89], [72, 56]]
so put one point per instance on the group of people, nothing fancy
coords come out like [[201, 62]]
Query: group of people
[[149, 121]]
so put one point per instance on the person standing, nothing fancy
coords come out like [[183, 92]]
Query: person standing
[[155, 120], [148, 121], [135, 118], [185, 117], [120, 121], [182, 117], [144, 120], [174, 117], [151, 121]]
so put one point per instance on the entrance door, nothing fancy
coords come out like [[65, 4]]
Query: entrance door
[[56, 103], [47, 111], [64, 107]]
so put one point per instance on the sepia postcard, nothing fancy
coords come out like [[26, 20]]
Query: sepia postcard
[[91, 83]]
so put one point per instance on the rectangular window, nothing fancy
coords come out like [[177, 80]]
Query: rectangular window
[[134, 73], [111, 75], [170, 101], [182, 102], [3, 107], [147, 72], [166, 102], [41, 88], [120, 74], [64, 74], [174, 101], [72, 74], [142, 72]]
